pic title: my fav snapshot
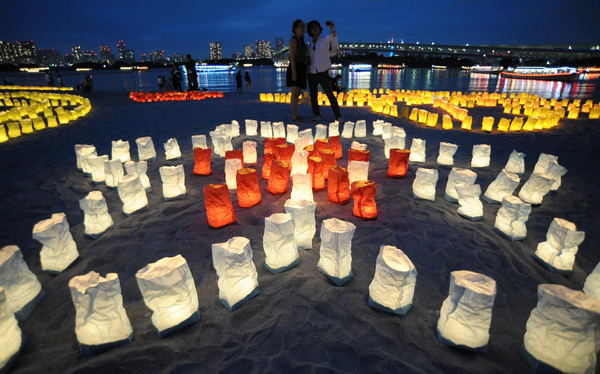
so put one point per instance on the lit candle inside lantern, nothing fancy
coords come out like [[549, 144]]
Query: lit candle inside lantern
[[202, 161], [173, 179], [338, 185], [558, 252], [248, 191], [251, 127], [417, 150], [516, 163], [132, 194], [360, 129], [279, 177], [503, 186], [12, 337], [458, 176], [398, 163], [219, 209], [249, 152], [363, 192], [536, 187], [120, 150], [146, 151], [23, 290], [424, 184], [303, 215], [468, 199], [96, 219], [278, 243], [336, 250], [59, 250], [511, 218]]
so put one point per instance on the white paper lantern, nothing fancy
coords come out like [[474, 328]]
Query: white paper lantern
[[555, 171], [358, 171], [306, 134], [348, 129], [224, 144], [386, 130], [172, 150], [96, 219], [305, 226], [481, 156], [536, 187], [113, 172], [249, 151], [292, 133], [23, 289], [503, 186], [360, 129], [562, 331], [59, 250], [237, 274], [466, 314], [516, 163], [12, 337], [334, 129], [215, 143], [231, 167], [592, 284], [96, 164], [170, 293], [146, 151], [266, 131], [235, 129], [511, 218], [541, 166], [140, 168], [336, 250], [446, 155], [278, 130], [397, 130], [79, 153], [251, 127], [458, 176], [199, 141], [300, 143], [424, 184], [173, 179], [558, 252], [299, 161], [393, 285], [393, 141], [417, 150], [378, 127], [120, 150], [468, 199], [132, 194], [281, 253], [227, 129], [302, 187], [84, 153], [320, 132], [100, 320], [358, 146]]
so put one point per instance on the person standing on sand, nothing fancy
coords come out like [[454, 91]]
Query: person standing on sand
[[160, 83], [176, 78], [296, 73], [238, 81], [49, 79], [192, 76], [60, 82], [320, 50], [248, 82]]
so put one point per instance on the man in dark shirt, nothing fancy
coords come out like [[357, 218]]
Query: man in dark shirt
[[335, 84], [192, 76]]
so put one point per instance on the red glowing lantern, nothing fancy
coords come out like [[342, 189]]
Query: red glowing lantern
[[322, 144], [336, 145], [338, 186], [398, 163], [236, 153], [248, 191], [363, 193], [219, 209], [202, 161], [315, 168], [267, 161], [284, 152], [358, 155], [280, 177], [271, 143], [312, 151], [328, 156]]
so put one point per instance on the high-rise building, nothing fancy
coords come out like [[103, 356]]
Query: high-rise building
[[248, 50], [8, 51], [237, 56], [263, 49], [125, 54], [76, 51], [279, 44], [216, 51], [143, 57], [88, 56], [178, 57], [27, 52], [105, 55], [129, 55], [49, 57], [157, 56]]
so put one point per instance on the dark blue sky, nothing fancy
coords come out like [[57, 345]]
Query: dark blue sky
[[188, 26]]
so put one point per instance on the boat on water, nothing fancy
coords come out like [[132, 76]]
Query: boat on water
[[390, 66], [205, 68], [486, 69], [281, 64], [360, 67], [562, 74], [336, 66]]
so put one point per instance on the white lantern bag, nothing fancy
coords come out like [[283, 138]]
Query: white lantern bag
[[348, 129], [266, 131], [173, 179], [113, 172], [120, 150], [536, 187], [320, 131], [592, 284], [446, 155], [541, 166], [394, 141], [231, 167], [334, 129], [199, 141], [12, 338], [251, 127], [249, 151], [59, 250], [336, 250], [140, 168], [470, 204], [503, 186], [172, 150], [146, 151], [278, 243], [357, 171], [79, 153], [278, 130], [424, 184], [358, 146], [292, 133], [558, 252], [516, 163], [23, 289], [458, 176], [300, 161], [360, 129], [417, 150], [84, 153], [305, 225], [96, 164], [96, 219], [556, 171], [302, 187], [511, 218], [378, 127], [132, 194], [481, 156]]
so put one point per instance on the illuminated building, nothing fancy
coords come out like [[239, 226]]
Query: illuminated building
[[157, 56], [216, 51], [248, 50], [8, 51], [76, 53], [105, 55], [27, 52], [279, 44], [125, 54], [143, 57], [49, 57], [237, 55], [263, 49]]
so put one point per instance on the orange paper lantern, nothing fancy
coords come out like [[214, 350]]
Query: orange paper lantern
[[284, 152], [248, 191], [321, 144], [336, 145], [315, 168], [312, 151], [236, 153], [328, 156], [219, 209], [338, 186], [267, 161], [202, 161], [398, 163], [271, 143], [280, 177], [358, 155], [363, 193]]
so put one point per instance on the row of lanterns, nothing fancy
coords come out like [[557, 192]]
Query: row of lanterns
[[34, 88], [149, 97]]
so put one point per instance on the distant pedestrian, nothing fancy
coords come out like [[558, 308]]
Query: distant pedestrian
[[248, 82], [238, 81], [87, 85], [49, 79], [176, 78], [192, 75], [60, 81], [161, 85]]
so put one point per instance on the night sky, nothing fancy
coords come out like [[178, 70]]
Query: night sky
[[188, 26]]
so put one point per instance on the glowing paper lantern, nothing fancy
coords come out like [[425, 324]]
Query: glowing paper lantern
[[59, 250], [348, 129], [378, 128], [146, 151], [321, 144], [278, 130], [467, 122], [555, 171], [249, 152], [235, 128], [14, 129], [363, 192], [336, 250], [292, 133], [299, 161], [338, 185], [266, 131], [447, 122], [414, 115], [302, 187], [562, 331], [307, 134], [140, 168], [468, 198], [358, 155], [398, 163], [278, 243], [503, 186], [272, 143], [394, 141], [199, 141], [316, 167], [516, 124], [285, 152], [101, 322], [360, 129], [251, 127], [424, 184], [170, 293], [120, 150], [173, 179], [231, 168], [543, 163], [80, 153], [336, 146], [466, 314], [386, 131], [202, 161], [534, 190], [432, 119], [334, 129], [223, 145], [22, 289], [558, 252], [422, 116], [84, 154], [481, 156], [358, 146], [96, 219], [358, 170], [219, 209], [267, 163], [516, 163], [12, 337], [172, 150], [328, 156], [132, 194], [320, 132], [113, 172], [511, 218], [279, 177], [417, 150], [592, 284], [458, 176], [302, 143], [446, 155], [96, 165], [303, 215], [393, 285], [248, 191], [488, 124]]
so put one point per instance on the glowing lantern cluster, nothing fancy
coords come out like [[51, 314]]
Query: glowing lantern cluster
[[336, 250], [23, 291], [248, 190], [59, 250], [173, 179], [511, 218], [219, 209], [96, 219], [424, 184], [363, 193], [132, 194], [279, 244], [558, 252], [150, 97]]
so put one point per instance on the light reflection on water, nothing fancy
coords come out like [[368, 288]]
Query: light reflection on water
[[269, 79]]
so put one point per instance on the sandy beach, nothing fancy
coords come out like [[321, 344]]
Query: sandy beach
[[300, 322]]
